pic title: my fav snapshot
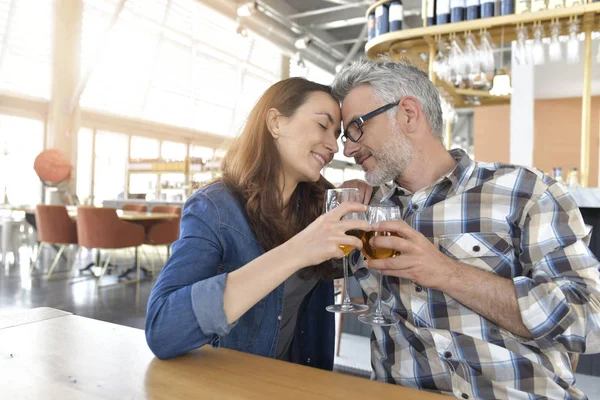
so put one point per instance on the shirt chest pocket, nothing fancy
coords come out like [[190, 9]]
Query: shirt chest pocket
[[491, 252]]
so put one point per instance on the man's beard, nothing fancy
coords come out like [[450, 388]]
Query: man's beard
[[392, 160]]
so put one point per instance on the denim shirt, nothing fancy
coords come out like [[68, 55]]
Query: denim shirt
[[185, 309]]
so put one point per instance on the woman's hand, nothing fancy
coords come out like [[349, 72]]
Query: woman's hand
[[321, 240]]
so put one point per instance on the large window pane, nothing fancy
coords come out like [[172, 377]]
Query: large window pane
[[21, 140], [144, 148], [173, 151], [84, 164], [111, 166], [177, 62], [26, 66]]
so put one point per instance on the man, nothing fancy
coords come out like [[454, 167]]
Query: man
[[494, 283]]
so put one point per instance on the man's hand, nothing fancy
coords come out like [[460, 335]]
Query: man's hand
[[418, 259], [363, 187], [487, 294]]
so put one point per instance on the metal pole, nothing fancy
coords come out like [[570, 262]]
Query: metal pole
[[586, 106]]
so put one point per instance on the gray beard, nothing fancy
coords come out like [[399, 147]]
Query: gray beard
[[392, 160]]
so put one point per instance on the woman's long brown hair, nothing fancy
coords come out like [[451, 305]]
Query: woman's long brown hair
[[252, 169]]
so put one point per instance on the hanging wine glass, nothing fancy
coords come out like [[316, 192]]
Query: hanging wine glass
[[472, 59], [537, 51], [440, 64], [486, 53], [555, 48], [456, 58], [573, 43], [521, 47]]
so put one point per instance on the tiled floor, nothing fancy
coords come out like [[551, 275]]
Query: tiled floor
[[126, 304]]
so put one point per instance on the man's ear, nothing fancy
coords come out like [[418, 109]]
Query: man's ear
[[411, 113]]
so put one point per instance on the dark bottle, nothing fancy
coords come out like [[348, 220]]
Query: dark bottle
[[396, 16], [507, 7], [487, 8], [473, 9], [442, 10], [371, 23], [457, 10], [382, 19], [431, 11]]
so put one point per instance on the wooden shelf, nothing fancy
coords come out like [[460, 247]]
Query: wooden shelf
[[420, 39]]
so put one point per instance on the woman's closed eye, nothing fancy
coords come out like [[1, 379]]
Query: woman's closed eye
[[322, 126]]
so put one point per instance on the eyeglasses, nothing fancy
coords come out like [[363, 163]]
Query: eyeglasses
[[354, 130]]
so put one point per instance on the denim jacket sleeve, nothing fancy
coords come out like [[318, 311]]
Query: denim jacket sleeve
[[185, 309]]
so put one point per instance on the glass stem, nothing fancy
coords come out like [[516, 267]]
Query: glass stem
[[378, 310], [346, 295]]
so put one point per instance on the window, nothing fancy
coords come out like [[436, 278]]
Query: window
[[173, 151], [25, 49], [144, 148], [21, 140], [84, 165], [177, 62], [111, 166]]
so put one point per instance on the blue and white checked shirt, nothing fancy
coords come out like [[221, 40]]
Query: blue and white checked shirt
[[512, 222]]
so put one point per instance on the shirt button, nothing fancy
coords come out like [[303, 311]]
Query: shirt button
[[448, 354], [465, 396], [415, 207], [279, 317], [418, 288], [308, 360], [476, 248]]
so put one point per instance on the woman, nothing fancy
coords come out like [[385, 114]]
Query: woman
[[237, 276]]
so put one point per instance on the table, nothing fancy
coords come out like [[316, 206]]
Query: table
[[33, 315], [71, 357]]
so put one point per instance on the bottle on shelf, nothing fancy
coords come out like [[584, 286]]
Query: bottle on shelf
[[559, 176], [457, 10], [382, 19], [430, 12], [538, 5], [523, 6], [573, 3], [473, 9], [507, 7], [442, 11], [396, 16], [555, 4], [488, 8], [371, 23], [573, 178]]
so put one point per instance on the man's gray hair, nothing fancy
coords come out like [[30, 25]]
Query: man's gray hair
[[391, 81]]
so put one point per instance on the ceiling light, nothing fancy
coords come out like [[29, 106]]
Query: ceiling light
[[501, 85], [303, 42], [246, 9]]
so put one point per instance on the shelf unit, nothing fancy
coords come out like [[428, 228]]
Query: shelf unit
[[189, 167], [418, 45]]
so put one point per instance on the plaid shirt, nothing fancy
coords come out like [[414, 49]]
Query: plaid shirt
[[514, 223]]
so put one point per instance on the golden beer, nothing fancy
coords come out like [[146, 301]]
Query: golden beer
[[375, 253], [348, 248]]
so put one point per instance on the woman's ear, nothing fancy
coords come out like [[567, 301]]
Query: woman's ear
[[273, 122]]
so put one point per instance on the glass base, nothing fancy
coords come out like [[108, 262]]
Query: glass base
[[375, 319], [347, 308]]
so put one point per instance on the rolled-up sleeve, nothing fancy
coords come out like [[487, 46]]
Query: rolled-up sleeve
[[185, 309], [559, 293]]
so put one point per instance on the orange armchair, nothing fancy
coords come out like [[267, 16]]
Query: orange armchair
[[54, 227], [101, 228]]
